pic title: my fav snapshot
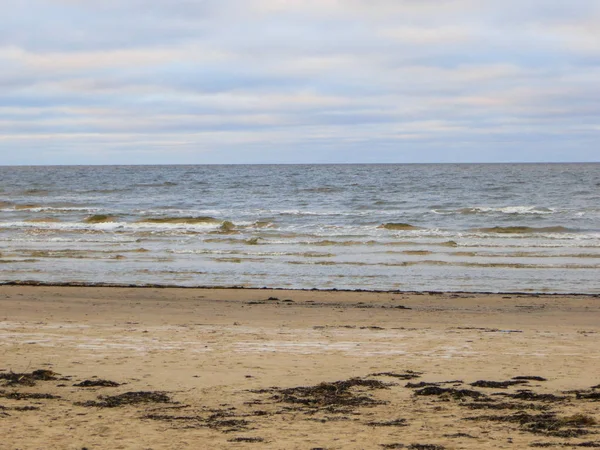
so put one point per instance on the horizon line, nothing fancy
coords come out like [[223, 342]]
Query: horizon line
[[304, 164]]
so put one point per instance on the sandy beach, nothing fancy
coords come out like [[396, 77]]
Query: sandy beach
[[276, 369]]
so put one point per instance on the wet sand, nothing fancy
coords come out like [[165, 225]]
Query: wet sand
[[274, 369]]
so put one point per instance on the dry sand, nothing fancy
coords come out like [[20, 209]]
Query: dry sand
[[228, 360]]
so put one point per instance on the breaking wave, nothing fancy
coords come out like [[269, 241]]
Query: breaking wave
[[523, 230], [514, 210]]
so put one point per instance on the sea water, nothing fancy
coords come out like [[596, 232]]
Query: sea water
[[451, 227]]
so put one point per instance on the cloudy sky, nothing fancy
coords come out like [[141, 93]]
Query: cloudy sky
[[298, 81]]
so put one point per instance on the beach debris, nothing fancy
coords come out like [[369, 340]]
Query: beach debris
[[589, 444], [459, 435], [228, 425], [128, 398], [425, 447], [487, 330], [529, 378], [389, 423], [335, 396], [224, 420], [525, 394], [456, 394], [487, 404], [588, 395], [27, 378], [406, 375], [246, 439], [97, 383], [548, 423], [497, 384], [28, 396], [420, 384]]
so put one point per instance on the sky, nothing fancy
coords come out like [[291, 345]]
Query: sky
[[299, 81]]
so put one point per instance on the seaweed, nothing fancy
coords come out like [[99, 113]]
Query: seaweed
[[589, 444], [97, 383], [425, 447], [332, 397], [29, 396], [406, 375], [545, 423], [27, 379], [389, 423], [459, 435], [525, 394], [588, 395], [246, 439], [420, 384], [457, 394], [128, 398], [497, 384], [504, 406]]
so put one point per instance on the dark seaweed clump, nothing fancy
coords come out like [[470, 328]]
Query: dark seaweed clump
[[457, 394], [27, 379], [548, 424], [588, 395], [128, 398], [535, 397], [425, 447], [497, 384], [28, 396], [406, 375], [246, 439], [588, 444], [97, 383], [334, 397], [389, 423], [338, 393], [530, 378]]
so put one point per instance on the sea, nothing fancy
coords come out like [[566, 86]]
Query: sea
[[531, 228]]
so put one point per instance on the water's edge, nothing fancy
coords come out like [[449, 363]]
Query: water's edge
[[33, 283]]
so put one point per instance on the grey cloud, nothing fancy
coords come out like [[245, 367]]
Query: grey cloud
[[263, 80]]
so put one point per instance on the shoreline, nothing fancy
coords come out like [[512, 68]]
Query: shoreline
[[267, 368], [266, 288]]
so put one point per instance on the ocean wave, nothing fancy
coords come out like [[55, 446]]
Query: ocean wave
[[323, 189], [513, 210], [251, 253], [158, 184], [8, 207], [78, 253], [524, 230], [499, 265], [43, 220], [36, 192], [107, 225], [181, 220]]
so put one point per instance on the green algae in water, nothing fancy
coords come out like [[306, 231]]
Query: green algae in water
[[100, 218], [398, 226]]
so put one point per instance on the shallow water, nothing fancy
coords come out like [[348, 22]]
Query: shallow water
[[494, 227]]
